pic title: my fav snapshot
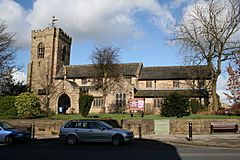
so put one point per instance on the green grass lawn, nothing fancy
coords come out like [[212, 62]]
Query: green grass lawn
[[138, 117], [128, 117]]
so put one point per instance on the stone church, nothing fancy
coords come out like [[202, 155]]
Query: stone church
[[59, 84]]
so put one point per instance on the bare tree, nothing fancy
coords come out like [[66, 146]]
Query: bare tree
[[210, 32], [197, 78], [42, 84], [106, 70]]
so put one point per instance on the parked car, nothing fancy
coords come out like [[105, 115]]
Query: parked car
[[8, 134], [75, 131]]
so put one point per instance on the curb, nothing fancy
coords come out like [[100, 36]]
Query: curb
[[223, 143]]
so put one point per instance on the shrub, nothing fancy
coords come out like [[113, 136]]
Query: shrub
[[236, 108], [7, 108], [220, 111], [196, 106], [27, 105], [85, 102], [175, 105]]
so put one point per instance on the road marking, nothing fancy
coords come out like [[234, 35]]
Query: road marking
[[2, 144], [210, 154]]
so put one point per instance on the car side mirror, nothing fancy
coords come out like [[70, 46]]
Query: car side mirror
[[102, 128]]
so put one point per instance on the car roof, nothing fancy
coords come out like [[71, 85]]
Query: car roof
[[84, 120]]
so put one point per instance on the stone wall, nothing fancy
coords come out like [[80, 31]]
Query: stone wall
[[199, 126], [148, 127]]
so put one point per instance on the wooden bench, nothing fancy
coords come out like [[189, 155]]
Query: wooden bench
[[224, 126]]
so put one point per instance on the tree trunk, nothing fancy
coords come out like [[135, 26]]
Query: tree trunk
[[215, 100], [103, 108]]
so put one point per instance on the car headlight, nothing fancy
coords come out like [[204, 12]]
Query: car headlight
[[19, 135]]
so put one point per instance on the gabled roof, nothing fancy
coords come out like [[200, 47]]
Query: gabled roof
[[87, 71], [175, 73]]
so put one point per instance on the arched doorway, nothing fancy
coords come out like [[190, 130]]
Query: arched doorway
[[64, 103]]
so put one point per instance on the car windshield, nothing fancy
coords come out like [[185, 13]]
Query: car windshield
[[106, 125], [6, 126]]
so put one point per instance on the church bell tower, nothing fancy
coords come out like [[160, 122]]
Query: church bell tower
[[50, 51]]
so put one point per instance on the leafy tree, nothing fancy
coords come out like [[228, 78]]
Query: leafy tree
[[234, 82], [27, 105], [85, 102], [7, 108], [210, 32], [175, 105], [10, 87], [106, 69], [7, 65], [7, 50]]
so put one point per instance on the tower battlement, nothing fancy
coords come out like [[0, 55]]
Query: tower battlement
[[50, 30]]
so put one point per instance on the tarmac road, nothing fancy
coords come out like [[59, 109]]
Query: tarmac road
[[51, 149], [188, 152]]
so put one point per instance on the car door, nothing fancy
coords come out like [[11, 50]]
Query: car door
[[98, 132], [82, 131]]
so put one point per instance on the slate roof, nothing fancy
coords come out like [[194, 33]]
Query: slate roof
[[175, 73], [74, 84], [87, 71], [165, 93]]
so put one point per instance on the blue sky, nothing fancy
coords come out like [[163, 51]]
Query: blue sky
[[140, 28]]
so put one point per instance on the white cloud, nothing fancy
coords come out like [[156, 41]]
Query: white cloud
[[14, 16], [99, 21], [19, 76], [177, 3]]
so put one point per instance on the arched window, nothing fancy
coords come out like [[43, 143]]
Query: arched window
[[41, 50], [64, 52]]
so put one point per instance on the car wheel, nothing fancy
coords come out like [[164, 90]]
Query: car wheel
[[71, 139], [117, 140], [9, 139]]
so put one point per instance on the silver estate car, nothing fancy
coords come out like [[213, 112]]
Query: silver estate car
[[75, 131]]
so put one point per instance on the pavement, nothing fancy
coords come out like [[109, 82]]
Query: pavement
[[229, 140], [224, 140]]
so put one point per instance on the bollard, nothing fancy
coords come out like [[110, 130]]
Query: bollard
[[33, 131], [140, 131], [121, 123], [129, 127], [190, 131]]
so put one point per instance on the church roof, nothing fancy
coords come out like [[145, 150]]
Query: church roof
[[165, 93], [87, 71], [175, 73]]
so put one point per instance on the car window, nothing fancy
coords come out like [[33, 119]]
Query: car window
[[70, 125], [84, 125], [76, 125], [106, 125], [94, 125], [6, 126]]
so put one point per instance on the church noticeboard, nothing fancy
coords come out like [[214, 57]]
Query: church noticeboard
[[136, 104]]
